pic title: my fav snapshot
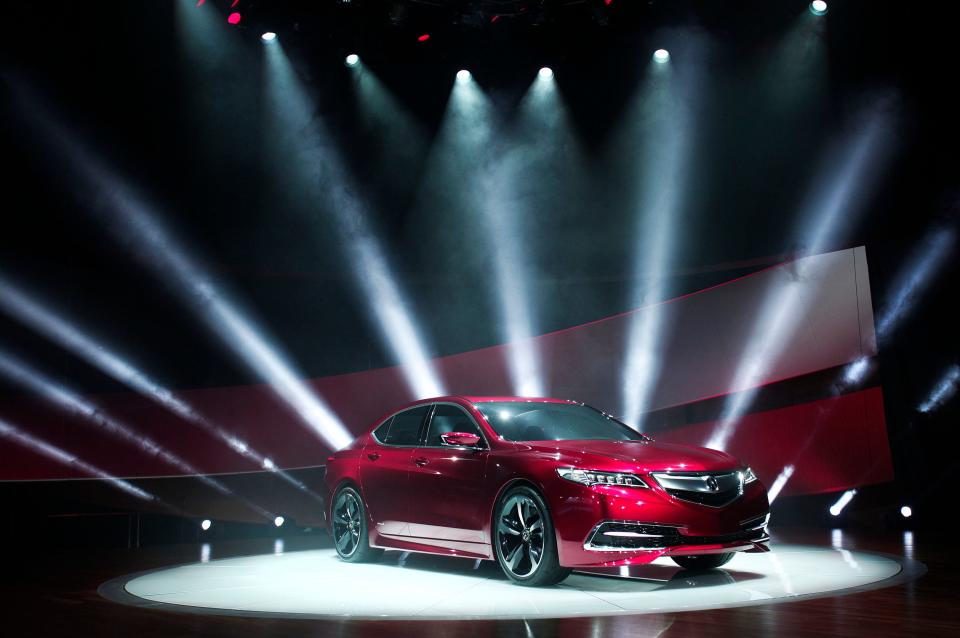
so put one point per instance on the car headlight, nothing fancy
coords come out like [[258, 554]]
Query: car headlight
[[593, 477], [749, 476]]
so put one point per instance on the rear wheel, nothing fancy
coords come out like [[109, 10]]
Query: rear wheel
[[524, 540], [350, 536], [700, 562]]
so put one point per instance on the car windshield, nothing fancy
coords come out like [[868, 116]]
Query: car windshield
[[537, 421]]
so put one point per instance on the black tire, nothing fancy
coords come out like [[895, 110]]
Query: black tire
[[348, 523], [701, 562], [524, 540]]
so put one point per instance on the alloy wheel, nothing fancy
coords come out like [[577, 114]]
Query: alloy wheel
[[520, 535], [347, 523]]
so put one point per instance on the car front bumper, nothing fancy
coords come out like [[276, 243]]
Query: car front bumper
[[609, 526]]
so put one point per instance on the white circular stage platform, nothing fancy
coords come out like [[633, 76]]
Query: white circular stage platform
[[316, 584]]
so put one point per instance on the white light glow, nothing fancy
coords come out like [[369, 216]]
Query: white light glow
[[269, 36], [943, 391], [278, 521], [908, 545], [72, 403], [913, 278], [842, 502], [854, 372], [818, 7], [779, 483], [468, 129], [546, 73], [205, 553], [321, 168], [66, 334], [906, 511], [839, 190], [291, 587], [463, 75], [352, 59], [205, 524], [661, 55], [664, 107], [39, 446], [138, 227]]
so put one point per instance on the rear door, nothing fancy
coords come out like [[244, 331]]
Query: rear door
[[446, 484], [385, 468]]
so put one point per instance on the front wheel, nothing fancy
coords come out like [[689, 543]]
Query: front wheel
[[524, 540], [700, 562], [350, 527]]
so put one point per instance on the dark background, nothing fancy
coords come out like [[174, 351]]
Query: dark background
[[188, 136]]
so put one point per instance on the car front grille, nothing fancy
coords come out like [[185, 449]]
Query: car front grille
[[628, 535], [714, 489]]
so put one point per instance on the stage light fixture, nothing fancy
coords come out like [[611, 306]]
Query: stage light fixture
[[423, 38], [906, 511], [943, 391], [842, 502], [234, 18], [279, 521], [352, 60], [818, 7], [322, 175], [52, 325], [661, 56], [205, 524], [268, 36], [546, 73], [463, 75]]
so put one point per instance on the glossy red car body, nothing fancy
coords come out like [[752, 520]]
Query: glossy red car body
[[441, 499]]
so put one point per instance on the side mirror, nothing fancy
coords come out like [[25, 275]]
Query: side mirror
[[460, 439]]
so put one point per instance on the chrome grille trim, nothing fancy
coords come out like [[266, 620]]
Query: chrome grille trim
[[712, 489]]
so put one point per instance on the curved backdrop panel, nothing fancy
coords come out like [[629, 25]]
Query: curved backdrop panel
[[794, 327]]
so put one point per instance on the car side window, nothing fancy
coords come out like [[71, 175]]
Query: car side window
[[405, 427], [449, 418], [382, 429]]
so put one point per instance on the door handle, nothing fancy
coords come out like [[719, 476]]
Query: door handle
[[421, 461], [373, 457]]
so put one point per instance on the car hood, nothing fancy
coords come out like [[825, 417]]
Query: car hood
[[634, 456]]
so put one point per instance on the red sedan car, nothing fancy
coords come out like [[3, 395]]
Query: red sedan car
[[542, 486]]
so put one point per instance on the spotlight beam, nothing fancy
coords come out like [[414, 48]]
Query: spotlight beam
[[843, 181], [319, 169], [72, 403], [467, 130], [39, 446], [907, 288], [68, 336], [665, 158], [137, 225], [943, 391], [913, 278]]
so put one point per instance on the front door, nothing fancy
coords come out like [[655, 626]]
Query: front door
[[446, 486]]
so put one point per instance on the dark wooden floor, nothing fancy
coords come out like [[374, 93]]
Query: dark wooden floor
[[45, 594]]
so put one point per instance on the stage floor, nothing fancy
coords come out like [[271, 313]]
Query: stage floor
[[54, 592], [317, 584]]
